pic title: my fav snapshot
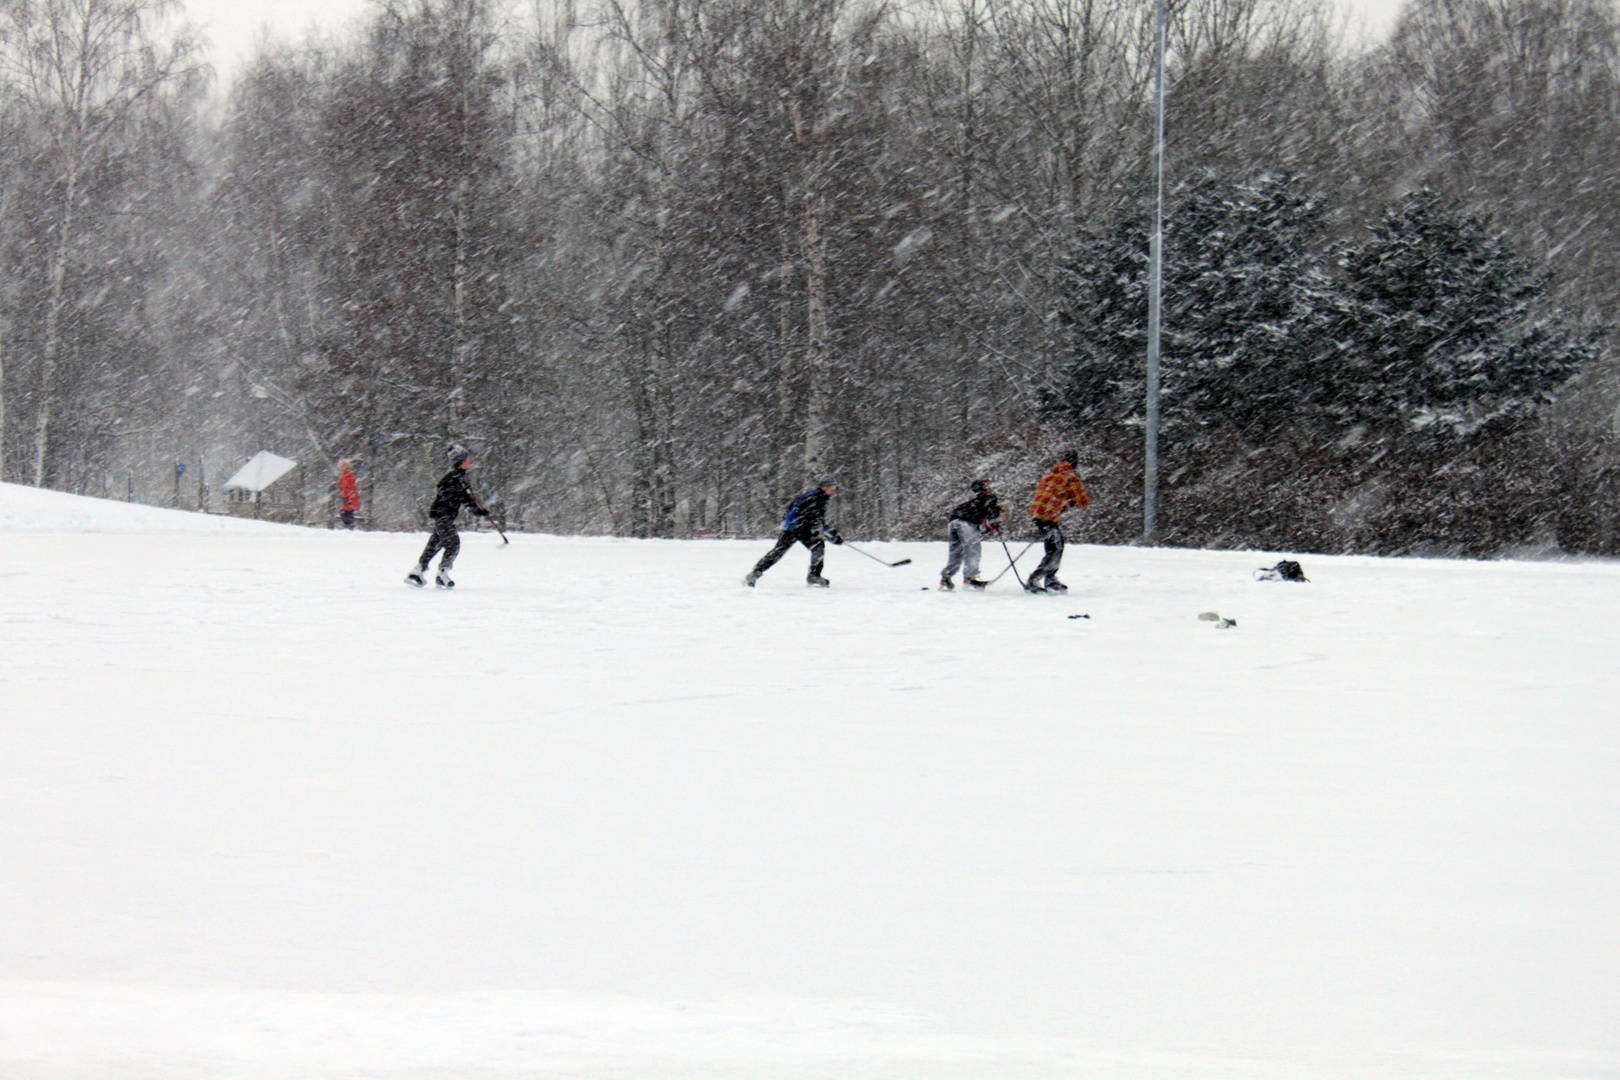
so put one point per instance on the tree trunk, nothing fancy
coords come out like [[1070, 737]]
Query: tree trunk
[[458, 352], [5, 214], [462, 344], [52, 345], [785, 463], [2, 400], [817, 451], [648, 518]]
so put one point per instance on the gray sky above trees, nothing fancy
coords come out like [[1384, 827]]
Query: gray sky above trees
[[230, 25]]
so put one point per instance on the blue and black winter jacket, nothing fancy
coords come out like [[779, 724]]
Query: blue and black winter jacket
[[807, 514]]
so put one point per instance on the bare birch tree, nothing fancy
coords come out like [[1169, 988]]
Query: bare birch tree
[[83, 68]]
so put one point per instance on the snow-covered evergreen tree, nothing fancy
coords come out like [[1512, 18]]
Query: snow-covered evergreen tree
[[1441, 330], [1244, 307]]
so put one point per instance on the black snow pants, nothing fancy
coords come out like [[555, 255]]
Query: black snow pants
[[444, 536], [813, 541], [1051, 534]]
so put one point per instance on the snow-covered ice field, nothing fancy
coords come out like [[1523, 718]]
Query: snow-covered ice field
[[268, 814]]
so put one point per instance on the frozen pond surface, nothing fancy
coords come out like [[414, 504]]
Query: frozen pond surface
[[266, 813]]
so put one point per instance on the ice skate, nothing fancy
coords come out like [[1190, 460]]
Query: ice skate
[[415, 577], [442, 580]]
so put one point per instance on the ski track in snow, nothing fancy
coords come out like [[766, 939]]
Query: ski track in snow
[[267, 813]]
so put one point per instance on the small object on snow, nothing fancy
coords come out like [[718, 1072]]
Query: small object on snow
[[1221, 622], [1079, 616], [1209, 616], [1285, 570]]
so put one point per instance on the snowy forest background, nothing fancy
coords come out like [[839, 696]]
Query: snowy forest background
[[667, 261]]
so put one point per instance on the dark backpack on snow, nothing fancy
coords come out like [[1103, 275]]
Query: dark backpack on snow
[[1285, 570]]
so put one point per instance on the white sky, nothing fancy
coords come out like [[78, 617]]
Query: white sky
[[230, 25]]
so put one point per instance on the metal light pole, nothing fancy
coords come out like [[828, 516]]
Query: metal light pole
[[1150, 471]]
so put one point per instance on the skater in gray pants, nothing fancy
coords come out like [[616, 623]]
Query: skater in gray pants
[[980, 516]]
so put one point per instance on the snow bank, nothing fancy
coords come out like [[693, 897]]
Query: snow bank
[[38, 510]]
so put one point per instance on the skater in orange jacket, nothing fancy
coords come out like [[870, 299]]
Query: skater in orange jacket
[[1058, 490]]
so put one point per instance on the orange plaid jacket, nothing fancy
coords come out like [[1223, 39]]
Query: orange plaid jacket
[[1058, 490]]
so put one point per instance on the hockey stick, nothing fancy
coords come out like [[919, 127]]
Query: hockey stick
[[1012, 561], [487, 518], [874, 558]]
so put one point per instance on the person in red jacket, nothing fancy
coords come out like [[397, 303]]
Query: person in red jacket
[[1058, 490], [348, 494]]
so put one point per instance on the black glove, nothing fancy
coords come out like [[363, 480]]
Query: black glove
[[832, 535], [480, 511]]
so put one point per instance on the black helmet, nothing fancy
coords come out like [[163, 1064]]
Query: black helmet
[[457, 454], [979, 487]]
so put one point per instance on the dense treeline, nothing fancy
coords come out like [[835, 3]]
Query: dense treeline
[[668, 261]]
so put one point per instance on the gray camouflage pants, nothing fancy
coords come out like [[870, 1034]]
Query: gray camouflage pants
[[964, 550]]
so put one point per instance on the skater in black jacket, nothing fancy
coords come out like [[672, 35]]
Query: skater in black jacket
[[452, 495], [980, 516], [804, 523]]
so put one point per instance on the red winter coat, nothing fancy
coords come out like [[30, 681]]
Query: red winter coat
[[349, 488]]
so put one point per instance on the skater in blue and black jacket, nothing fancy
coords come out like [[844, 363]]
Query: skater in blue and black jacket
[[804, 523]]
